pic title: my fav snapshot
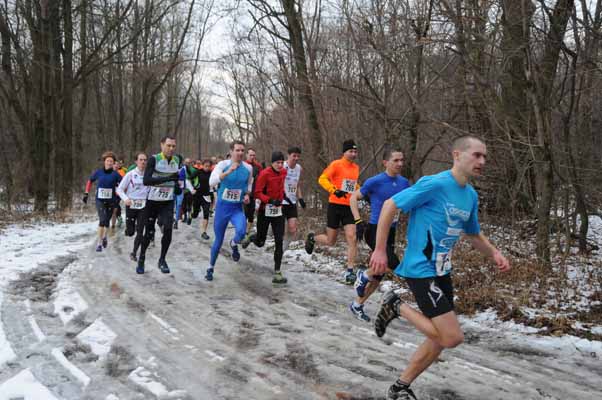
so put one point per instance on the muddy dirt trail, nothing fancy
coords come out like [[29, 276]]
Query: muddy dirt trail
[[239, 337]]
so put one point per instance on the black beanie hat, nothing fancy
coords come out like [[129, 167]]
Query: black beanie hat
[[277, 156], [349, 145]]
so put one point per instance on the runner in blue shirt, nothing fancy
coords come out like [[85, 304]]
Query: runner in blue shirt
[[442, 207], [377, 189], [235, 179], [108, 180]]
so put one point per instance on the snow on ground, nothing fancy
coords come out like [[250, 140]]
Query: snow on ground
[[99, 337], [144, 378], [26, 387], [6, 351]]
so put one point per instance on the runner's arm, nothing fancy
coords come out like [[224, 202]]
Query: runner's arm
[[299, 193], [484, 246], [259, 188], [325, 180], [91, 180], [379, 260], [357, 195], [149, 180], [123, 186]]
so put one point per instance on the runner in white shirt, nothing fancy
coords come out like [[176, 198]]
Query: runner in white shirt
[[133, 192], [292, 194]]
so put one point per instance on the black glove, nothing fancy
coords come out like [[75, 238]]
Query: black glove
[[302, 203], [85, 198], [340, 194], [275, 202], [360, 229]]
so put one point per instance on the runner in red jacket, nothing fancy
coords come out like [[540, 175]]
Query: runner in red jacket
[[269, 189]]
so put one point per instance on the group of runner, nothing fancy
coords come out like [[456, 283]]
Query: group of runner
[[441, 208]]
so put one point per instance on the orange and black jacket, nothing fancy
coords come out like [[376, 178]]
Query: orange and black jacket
[[335, 175]]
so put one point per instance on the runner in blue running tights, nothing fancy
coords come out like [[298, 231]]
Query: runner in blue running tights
[[377, 189], [235, 179], [442, 207]]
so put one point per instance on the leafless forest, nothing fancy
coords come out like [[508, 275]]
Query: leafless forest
[[82, 76]]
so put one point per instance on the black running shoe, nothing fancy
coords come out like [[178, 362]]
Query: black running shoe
[[389, 310], [404, 394], [247, 241], [175, 225], [133, 256], [163, 266], [205, 236], [188, 221], [310, 242]]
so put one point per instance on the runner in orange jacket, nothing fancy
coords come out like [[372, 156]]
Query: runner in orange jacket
[[340, 180]]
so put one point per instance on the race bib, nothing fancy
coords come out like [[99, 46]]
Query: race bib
[[273, 211], [291, 189], [105, 194], [233, 195], [160, 193], [138, 204], [348, 185], [207, 199], [443, 263]]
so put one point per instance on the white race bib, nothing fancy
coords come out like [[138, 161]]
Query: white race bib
[[291, 189], [348, 185], [105, 194], [232, 195], [273, 211], [138, 204], [160, 193], [443, 263]]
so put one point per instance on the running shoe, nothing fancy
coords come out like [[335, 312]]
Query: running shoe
[[99, 248], [188, 221], [209, 274], [163, 266], [247, 240], [389, 310], [279, 278], [175, 225], [235, 252], [105, 242], [359, 312], [349, 277], [404, 394], [205, 236], [133, 257], [361, 281], [310, 242], [140, 267]]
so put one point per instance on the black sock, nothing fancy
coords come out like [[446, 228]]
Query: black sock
[[399, 385]]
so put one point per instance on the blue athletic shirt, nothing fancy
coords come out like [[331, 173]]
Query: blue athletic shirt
[[236, 185], [440, 210], [106, 180], [381, 188]]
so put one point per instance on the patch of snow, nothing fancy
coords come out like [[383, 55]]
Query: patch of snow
[[23, 249], [166, 327], [24, 386], [99, 337], [34, 324], [73, 370], [214, 357], [142, 377], [68, 303], [112, 397], [596, 330], [489, 320], [405, 345], [6, 351]]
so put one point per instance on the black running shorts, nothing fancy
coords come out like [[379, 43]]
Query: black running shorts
[[370, 238], [339, 215], [290, 211], [250, 210], [435, 296], [105, 212]]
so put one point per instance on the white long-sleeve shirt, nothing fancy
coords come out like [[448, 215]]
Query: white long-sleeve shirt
[[131, 186]]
